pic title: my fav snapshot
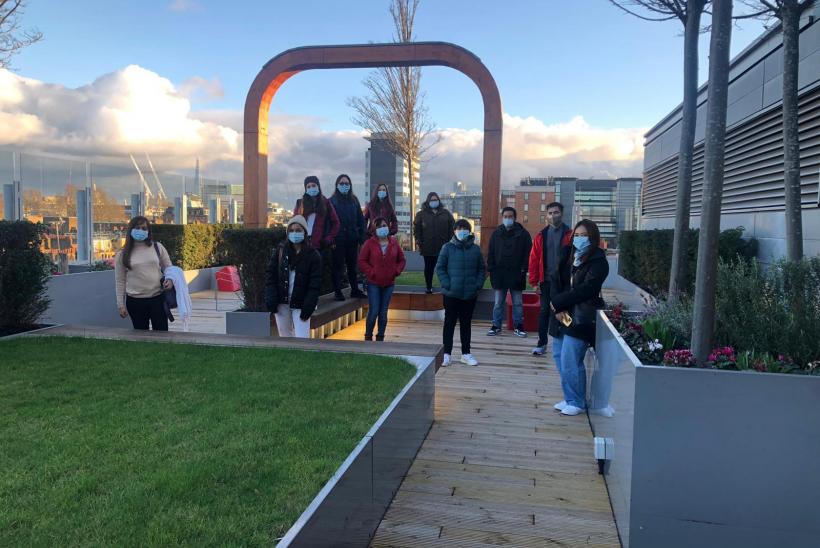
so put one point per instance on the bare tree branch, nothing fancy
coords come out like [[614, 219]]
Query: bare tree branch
[[620, 4], [12, 39]]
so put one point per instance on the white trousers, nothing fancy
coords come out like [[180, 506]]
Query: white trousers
[[290, 324]]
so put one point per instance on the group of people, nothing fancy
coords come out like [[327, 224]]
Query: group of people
[[566, 267]]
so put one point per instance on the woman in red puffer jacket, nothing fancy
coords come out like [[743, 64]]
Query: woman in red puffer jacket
[[381, 260]]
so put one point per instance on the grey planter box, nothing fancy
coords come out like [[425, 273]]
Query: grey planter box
[[705, 457], [348, 509], [248, 324]]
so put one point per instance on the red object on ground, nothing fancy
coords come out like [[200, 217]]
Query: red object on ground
[[227, 279], [532, 306]]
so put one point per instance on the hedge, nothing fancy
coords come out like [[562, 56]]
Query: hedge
[[250, 250], [24, 274], [191, 246], [645, 256]]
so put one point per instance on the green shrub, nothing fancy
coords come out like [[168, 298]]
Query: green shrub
[[192, 246], [24, 273], [101, 265], [249, 250], [645, 256]]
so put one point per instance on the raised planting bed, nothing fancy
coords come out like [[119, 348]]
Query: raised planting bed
[[706, 457], [113, 442]]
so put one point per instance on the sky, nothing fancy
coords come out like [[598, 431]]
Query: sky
[[580, 83]]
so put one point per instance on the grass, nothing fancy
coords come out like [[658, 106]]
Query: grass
[[417, 279], [122, 443]]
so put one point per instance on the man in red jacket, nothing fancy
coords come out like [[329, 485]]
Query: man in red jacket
[[544, 258]]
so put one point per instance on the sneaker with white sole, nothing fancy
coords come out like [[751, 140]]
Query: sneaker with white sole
[[571, 410], [494, 331], [607, 411], [560, 405], [445, 361], [519, 332], [539, 350], [468, 359]]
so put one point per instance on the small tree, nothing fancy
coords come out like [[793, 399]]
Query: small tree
[[703, 321], [689, 13], [394, 108], [788, 13], [24, 273], [12, 38]]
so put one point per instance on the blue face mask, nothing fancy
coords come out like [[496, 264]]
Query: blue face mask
[[508, 222], [581, 243], [343, 188], [296, 237], [139, 234], [382, 194], [461, 235], [382, 232], [312, 191], [434, 203]]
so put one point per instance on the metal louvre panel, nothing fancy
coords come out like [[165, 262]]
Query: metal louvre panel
[[753, 166]]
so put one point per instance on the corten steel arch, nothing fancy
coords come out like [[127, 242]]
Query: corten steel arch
[[277, 71]]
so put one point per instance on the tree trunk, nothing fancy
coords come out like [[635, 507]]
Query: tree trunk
[[694, 10], [703, 323], [790, 17], [412, 207]]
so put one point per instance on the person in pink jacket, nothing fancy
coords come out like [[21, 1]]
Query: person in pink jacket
[[381, 260]]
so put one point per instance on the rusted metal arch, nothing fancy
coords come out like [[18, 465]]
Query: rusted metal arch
[[279, 69]]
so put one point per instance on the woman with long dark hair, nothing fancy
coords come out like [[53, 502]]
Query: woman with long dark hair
[[433, 227], [575, 300], [322, 221], [350, 236], [293, 282], [138, 269], [381, 206], [381, 261]]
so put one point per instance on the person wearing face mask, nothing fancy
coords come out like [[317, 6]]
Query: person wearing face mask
[[381, 206], [350, 236], [322, 221], [574, 302], [460, 270], [547, 249], [432, 228], [138, 269], [507, 263], [294, 281], [381, 261]]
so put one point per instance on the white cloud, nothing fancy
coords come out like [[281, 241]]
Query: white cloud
[[202, 88], [135, 110]]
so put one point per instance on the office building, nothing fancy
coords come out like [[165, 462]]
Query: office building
[[382, 166]]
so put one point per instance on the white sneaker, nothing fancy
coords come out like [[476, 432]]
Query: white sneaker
[[607, 411], [571, 410], [446, 360], [560, 405], [468, 359], [539, 350]]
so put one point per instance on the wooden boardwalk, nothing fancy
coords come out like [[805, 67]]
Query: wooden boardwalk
[[499, 466]]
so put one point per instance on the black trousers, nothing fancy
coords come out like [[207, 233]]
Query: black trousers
[[429, 270], [544, 315], [345, 255], [461, 311], [144, 310]]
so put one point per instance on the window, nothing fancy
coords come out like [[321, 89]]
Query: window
[[526, 207], [543, 207], [526, 196], [543, 196], [526, 219], [543, 219]]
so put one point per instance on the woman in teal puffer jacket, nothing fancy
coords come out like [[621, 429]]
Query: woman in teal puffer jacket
[[460, 270]]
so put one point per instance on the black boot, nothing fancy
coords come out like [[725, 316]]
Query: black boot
[[357, 293], [339, 295], [379, 338], [368, 337]]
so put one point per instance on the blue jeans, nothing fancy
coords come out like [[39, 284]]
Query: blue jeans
[[573, 372], [501, 304], [557, 343], [379, 300]]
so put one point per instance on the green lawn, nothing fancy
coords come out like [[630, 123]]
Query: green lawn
[[116, 443], [417, 279]]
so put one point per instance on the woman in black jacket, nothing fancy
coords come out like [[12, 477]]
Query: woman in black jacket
[[575, 300], [294, 279]]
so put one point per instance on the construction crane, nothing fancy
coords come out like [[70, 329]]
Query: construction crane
[[160, 190]]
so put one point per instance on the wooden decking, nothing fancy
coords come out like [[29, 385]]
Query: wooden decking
[[499, 466]]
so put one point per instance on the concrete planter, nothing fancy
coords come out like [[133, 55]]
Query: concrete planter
[[348, 509], [705, 457], [248, 324]]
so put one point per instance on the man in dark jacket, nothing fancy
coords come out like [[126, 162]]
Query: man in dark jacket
[[507, 264], [544, 260], [350, 236]]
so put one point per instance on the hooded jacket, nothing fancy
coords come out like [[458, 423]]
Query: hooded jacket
[[460, 268], [306, 285], [538, 267], [577, 290], [432, 229], [380, 268], [325, 227], [508, 257]]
